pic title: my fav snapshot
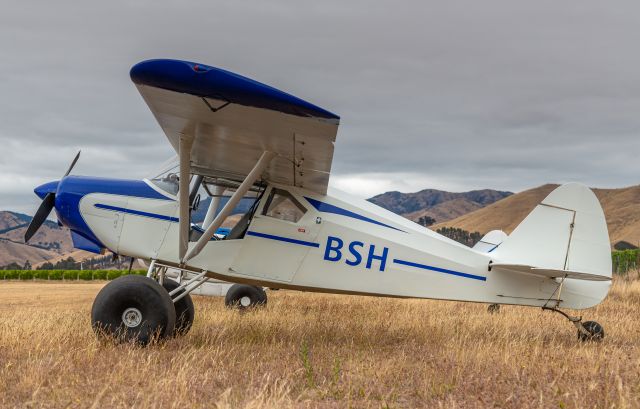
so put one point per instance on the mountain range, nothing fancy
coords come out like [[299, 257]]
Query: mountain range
[[437, 204]]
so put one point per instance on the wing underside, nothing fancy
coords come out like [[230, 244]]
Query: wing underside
[[233, 120]]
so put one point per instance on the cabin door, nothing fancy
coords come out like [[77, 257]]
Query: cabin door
[[279, 237]]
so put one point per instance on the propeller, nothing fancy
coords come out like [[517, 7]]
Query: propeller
[[48, 203], [73, 163]]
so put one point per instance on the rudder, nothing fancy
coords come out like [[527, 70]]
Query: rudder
[[566, 231]]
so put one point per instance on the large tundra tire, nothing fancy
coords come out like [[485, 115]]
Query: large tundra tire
[[133, 308], [242, 297]]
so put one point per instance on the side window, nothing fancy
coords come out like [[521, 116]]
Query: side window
[[281, 205]]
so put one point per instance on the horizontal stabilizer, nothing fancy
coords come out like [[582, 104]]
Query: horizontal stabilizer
[[490, 241], [546, 272]]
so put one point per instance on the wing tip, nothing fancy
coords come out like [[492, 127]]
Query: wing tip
[[206, 81]]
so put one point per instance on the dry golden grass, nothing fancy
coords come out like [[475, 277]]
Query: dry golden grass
[[313, 350]]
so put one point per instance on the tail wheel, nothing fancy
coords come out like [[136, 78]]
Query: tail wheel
[[594, 331], [185, 311], [242, 296], [133, 308]]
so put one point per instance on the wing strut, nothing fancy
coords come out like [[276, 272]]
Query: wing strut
[[213, 206], [244, 187], [186, 142]]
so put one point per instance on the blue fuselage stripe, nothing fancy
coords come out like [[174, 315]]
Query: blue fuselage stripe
[[438, 269], [284, 239], [137, 212], [329, 208]]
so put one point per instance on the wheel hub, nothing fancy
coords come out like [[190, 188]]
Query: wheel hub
[[132, 317], [245, 301]]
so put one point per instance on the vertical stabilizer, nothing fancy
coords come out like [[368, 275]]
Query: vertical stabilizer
[[566, 231]]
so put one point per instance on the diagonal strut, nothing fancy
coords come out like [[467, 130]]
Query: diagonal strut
[[244, 187]]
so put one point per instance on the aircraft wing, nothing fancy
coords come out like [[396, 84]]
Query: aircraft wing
[[546, 272], [234, 119]]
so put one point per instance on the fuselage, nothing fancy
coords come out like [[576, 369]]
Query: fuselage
[[328, 243]]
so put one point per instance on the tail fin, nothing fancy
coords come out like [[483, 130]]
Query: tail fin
[[567, 231]]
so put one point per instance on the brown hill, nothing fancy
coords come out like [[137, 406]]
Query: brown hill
[[446, 211], [49, 242], [10, 220], [49, 237], [621, 208], [77, 255], [437, 204], [11, 252]]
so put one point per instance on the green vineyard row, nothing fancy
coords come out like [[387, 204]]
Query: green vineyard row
[[86, 275]]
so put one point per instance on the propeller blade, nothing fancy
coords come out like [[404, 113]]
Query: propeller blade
[[72, 164], [41, 215]]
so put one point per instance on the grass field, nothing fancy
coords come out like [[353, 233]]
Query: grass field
[[312, 350]]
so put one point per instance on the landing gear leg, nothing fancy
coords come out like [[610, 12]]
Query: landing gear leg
[[185, 311], [178, 293], [587, 331]]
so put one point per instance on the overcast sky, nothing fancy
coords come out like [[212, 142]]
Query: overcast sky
[[455, 95]]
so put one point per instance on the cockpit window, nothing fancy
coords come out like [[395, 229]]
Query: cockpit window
[[165, 176], [168, 183], [282, 205]]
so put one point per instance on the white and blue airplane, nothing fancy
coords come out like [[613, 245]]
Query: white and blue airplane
[[237, 135]]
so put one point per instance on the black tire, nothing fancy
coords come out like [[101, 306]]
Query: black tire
[[242, 297], [595, 330], [185, 311], [147, 305]]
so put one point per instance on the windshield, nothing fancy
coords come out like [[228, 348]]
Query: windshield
[[166, 176]]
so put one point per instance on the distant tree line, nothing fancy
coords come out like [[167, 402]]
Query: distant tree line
[[47, 245], [426, 221], [16, 266], [460, 235], [67, 264], [624, 245]]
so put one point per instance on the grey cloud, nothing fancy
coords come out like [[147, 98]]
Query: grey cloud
[[498, 94]]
